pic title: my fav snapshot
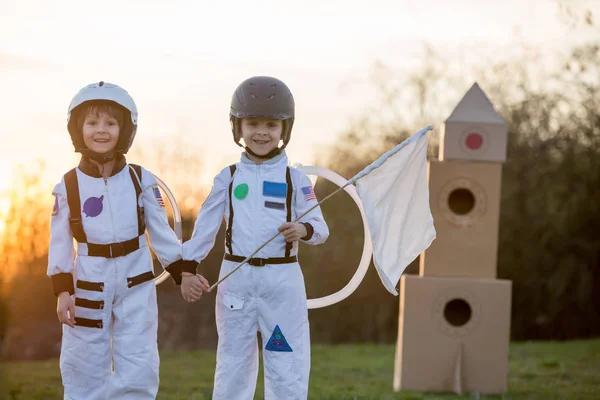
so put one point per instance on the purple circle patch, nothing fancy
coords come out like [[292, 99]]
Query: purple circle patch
[[93, 206]]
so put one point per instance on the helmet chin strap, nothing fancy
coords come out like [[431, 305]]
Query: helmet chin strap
[[269, 155], [99, 158]]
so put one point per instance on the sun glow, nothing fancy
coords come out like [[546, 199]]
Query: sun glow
[[4, 207], [6, 176]]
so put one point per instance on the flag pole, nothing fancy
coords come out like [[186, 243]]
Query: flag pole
[[367, 170]]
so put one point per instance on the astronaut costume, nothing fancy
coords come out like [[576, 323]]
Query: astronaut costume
[[111, 279], [266, 295]]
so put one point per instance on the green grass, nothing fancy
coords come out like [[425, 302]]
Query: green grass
[[538, 371]]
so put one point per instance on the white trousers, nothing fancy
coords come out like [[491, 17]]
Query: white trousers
[[118, 357], [270, 300]]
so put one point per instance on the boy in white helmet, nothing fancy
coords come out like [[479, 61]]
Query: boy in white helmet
[[106, 295], [257, 197]]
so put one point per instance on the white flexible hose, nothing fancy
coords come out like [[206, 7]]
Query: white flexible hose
[[176, 222], [365, 259]]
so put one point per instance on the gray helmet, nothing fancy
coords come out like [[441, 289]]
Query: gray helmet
[[104, 91], [262, 97]]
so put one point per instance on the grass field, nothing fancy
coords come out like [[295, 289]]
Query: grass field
[[538, 371]]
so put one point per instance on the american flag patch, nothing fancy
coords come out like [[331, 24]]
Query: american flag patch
[[309, 193], [158, 196]]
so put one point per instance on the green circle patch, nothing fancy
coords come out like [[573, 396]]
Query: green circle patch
[[241, 191]]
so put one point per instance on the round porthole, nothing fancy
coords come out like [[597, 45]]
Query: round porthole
[[462, 201], [456, 312]]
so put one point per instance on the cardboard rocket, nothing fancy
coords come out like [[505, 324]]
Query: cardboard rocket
[[454, 322]]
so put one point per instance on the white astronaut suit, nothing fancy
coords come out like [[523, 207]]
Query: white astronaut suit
[[114, 294], [111, 353], [267, 295]]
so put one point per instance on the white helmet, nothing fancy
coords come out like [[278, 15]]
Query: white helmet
[[104, 91]]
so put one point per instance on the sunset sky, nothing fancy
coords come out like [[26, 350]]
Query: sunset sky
[[181, 62]]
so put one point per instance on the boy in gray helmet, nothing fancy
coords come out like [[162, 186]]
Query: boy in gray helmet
[[106, 294], [257, 197]]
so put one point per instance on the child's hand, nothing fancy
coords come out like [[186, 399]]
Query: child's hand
[[293, 231], [192, 287], [65, 309]]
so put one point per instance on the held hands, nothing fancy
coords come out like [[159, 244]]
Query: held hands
[[65, 309], [293, 231], [192, 286]]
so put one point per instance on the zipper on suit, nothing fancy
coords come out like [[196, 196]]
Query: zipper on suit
[[256, 227], [112, 222], [256, 233]]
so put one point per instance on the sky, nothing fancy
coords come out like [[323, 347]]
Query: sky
[[181, 61]]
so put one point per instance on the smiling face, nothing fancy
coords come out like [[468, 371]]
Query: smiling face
[[100, 132], [261, 135]]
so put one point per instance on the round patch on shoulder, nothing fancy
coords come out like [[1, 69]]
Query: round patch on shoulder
[[241, 191]]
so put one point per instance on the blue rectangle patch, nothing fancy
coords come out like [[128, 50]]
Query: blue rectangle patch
[[274, 205], [274, 189]]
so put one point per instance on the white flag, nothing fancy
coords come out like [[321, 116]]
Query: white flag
[[395, 196]]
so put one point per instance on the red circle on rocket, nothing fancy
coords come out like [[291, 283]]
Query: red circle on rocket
[[474, 141]]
